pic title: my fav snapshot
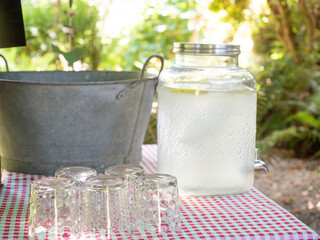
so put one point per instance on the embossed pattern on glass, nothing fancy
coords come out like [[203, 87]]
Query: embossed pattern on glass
[[104, 206], [207, 140], [78, 174], [158, 207], [52, 209], [130, 173]]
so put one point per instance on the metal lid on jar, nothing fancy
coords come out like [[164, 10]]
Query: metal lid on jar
[[206, 49]]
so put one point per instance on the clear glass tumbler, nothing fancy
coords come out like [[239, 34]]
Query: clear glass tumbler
[[104, 206], [78, 174], [157, 204], [130, 173], [51, 209]]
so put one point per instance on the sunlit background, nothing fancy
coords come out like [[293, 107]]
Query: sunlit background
[[205, 25], [115, 23]]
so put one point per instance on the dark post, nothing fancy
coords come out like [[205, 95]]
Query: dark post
[[11, 28], [11, 24]]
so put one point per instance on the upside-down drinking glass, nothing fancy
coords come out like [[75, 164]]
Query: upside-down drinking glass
[[52, 209], [130, 173], [78, 174], [104, 206], [157, 204]]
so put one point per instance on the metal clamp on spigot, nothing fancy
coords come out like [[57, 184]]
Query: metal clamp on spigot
[[259, 165]]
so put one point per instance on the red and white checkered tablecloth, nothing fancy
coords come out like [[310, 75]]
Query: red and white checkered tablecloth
[[246, 216]]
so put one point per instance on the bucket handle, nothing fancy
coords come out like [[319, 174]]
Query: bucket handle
[[5, 61], [141, 79]]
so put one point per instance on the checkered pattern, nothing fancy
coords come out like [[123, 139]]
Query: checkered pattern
[[247, 216]]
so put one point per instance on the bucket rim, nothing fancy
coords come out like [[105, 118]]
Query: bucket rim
[[151, 77]]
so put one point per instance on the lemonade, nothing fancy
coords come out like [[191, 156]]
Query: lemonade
[[207, 139]]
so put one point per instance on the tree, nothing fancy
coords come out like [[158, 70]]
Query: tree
[[286, 37]]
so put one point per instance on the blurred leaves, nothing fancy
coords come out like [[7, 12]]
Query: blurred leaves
[[289, 105], [289, 82], [305, 118], [235, 10], [44, 26], [151, 134], [161, 27]]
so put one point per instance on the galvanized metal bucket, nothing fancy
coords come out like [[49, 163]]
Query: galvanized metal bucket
[[55, 119]]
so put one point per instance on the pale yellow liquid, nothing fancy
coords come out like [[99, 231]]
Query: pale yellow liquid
[[207, 140]]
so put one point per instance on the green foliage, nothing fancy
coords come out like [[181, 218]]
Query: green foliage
[[273, 139], [87, 33], [235, 11], [305, 118], [161, 27], [290, 88], [45, 26], [151, 134], [290, 103], [289, 96]]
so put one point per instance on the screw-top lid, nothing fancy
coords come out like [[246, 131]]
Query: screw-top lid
[[206, 49]]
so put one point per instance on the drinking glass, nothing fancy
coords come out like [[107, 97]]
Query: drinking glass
[[78, 174], [157, 203], [104, 206], [52, 209], [130, 173]]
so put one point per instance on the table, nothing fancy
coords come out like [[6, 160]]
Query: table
[[246, 216]]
